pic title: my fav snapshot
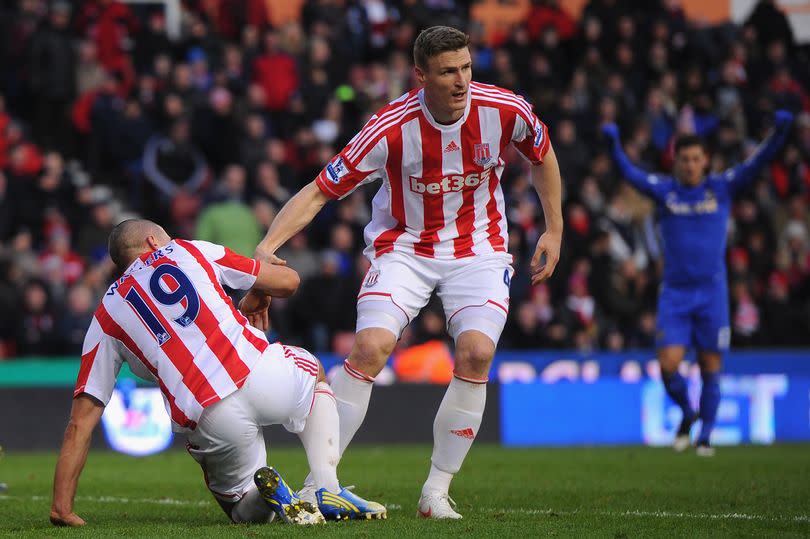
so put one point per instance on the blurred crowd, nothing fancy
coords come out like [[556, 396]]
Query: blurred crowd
[[104, 116]]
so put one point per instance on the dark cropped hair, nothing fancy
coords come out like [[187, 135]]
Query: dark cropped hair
[[685, 141], [436, 40]]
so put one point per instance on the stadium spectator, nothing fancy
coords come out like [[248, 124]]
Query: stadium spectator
[[275, 71], [316, 79], [36, 323], [227, 220], [75, 319], [172, 164], [52, 76]]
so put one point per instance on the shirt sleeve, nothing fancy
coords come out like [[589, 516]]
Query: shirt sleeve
[[654, 186], [233, 270], [739, 177], [360, 162], [101, 361], [530, 135]]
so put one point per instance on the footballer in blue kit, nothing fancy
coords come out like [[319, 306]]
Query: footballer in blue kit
[[692, 211]]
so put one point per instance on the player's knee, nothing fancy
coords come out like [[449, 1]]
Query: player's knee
[[710, 362], [474, 353], [669, 359], [371, 350]]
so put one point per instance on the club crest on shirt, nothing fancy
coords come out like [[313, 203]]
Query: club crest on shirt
[[336, 170], [371, 278], [481, 155]]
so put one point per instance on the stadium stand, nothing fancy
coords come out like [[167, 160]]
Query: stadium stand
[[103, 116]]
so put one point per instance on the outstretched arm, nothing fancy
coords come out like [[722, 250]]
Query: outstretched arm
[[84, 417], [642, 180], [297, 213], [272, 280], [741, 175]]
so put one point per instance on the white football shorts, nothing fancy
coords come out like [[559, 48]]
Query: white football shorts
[[398, 285], [228, 442]]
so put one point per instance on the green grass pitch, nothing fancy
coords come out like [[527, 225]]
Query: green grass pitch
[[600, 492]]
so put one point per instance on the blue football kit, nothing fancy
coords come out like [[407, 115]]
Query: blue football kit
[[693, 221], [693, 300]]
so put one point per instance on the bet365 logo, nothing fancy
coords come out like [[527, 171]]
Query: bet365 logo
[[448, 184]]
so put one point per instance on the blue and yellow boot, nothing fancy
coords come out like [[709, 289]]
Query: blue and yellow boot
[[283, 500], [346, 505]]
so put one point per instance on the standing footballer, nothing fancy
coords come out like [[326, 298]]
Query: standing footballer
[[438, 223], [692, 210]]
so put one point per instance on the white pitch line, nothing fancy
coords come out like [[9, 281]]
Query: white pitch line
[[509, 510], [654, 514], [115, 499]]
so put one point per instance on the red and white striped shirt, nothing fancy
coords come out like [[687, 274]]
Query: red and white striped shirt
[[441, 195], [170, 319]]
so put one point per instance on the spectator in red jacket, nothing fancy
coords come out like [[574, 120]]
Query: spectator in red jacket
[[276, 72], [548, 13]]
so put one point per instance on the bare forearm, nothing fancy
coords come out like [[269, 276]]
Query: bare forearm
[[548, 183], [297, 213], [69, 466]]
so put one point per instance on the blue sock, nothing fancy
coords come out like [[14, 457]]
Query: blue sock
[[675, 384], [709, 401]]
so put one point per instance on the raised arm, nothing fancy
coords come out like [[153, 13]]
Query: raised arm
[[297, 213], [548, 183], [84, 416], [741, 175], [642, 180]]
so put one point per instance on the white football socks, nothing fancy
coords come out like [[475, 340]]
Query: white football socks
[[352, 393], [321, 439], [252, 508], [456, 425]]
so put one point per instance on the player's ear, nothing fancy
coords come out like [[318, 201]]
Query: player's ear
[[152, 242], [420, 75]]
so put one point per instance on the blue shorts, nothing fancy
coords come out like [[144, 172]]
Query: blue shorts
[[694, 316]]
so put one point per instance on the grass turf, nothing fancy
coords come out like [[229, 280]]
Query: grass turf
[[602, 492]]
